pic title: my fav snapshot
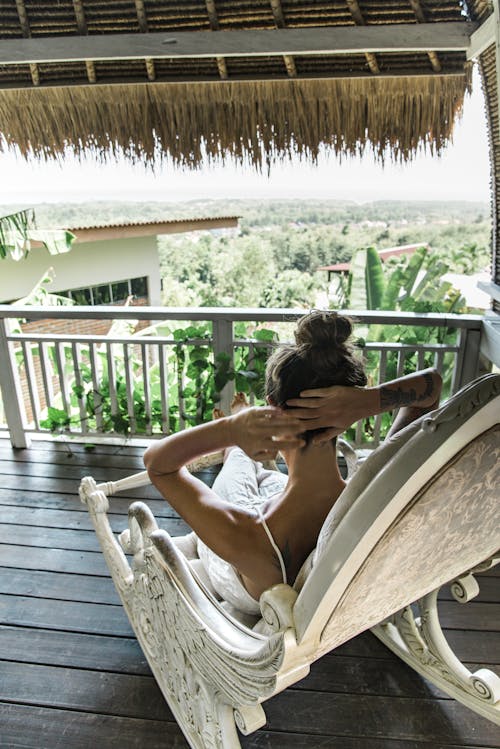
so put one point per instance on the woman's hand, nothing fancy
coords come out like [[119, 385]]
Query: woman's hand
[[333, 408], [262, 431]]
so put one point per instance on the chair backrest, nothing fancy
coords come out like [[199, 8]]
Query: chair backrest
[[420, 511]]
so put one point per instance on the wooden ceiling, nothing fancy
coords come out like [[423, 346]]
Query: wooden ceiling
[[252, 80], [75, 42]]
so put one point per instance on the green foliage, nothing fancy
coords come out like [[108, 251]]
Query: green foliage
[[14, 230], [407, 284], [57, 420], [18, 230], [194, 385], [374, 278]]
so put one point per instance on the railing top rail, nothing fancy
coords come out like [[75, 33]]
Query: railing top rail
[[87, 338], [162, 341], [232, 313]]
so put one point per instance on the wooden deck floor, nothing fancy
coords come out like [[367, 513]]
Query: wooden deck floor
[[72, 675]]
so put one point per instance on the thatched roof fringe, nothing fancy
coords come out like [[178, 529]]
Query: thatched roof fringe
[[279, 119]]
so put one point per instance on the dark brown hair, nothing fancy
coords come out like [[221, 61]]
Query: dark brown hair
[[321, 356]]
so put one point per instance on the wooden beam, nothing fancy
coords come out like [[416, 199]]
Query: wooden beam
[[482, 38], [453, 36], [82, 28], [142, 20], [355, 10], [279, 20], [214, 25], [25, 26], [420, 16], [457, 71]]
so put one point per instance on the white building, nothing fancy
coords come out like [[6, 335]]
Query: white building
[[106, 264]]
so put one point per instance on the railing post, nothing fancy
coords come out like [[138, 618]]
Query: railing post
[[13, 401], [222, 329], [467, 363]]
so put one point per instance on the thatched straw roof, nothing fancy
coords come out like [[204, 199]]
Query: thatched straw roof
[[256, 80]]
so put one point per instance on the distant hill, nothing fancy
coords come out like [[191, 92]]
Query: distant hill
[[257, 213]]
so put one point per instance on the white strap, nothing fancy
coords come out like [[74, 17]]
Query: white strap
[[273, 544]]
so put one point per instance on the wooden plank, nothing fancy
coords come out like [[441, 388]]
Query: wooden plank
[[470, 616], [409, 719], [294, 710], [64, 471], [339, 674], [53, 560], [439, 36], [51, 538], [80, 520], [83, 458], [68, 446], [268, 739], [58, 484], [91, 618], [69, 502], [44, 728], [482, 38], [61, 538], [64, 587], [27, 726], [68, 470], [106, 693], [56, 648], [467, 645]]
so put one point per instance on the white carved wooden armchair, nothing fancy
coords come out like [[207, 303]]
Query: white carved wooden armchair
[[421, 511]]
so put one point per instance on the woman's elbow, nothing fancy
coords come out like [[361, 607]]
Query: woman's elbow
[[157, 462], [149, 460]]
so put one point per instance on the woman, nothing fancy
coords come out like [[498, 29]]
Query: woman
[[255, 527]]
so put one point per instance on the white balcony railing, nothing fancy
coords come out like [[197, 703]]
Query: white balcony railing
[[153, 381]]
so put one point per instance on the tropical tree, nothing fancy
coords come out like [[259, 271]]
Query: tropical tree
[[407, 284]]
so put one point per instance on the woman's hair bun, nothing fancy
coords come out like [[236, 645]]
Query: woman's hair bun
[[322, 329]]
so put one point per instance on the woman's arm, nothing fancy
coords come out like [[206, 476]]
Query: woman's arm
[[260, 432], [233, 533], [414, 398], [337, 407]]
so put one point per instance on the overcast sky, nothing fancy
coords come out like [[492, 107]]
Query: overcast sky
[[462, 173]]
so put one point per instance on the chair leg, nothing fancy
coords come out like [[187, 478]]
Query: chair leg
[[420, 642]]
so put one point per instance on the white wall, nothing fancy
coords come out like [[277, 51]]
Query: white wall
[[86, 264]]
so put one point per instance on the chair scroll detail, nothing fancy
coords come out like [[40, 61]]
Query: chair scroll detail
[[370, 566], [420, 642]]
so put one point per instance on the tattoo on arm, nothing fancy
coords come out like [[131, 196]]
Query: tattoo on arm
[[395, 398]]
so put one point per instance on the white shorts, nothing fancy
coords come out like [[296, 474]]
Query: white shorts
[[247, 484]]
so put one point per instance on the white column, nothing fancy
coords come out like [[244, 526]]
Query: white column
[[10, 386]]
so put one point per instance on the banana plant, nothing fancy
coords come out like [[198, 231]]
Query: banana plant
[[19, 230], [410, 282]]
